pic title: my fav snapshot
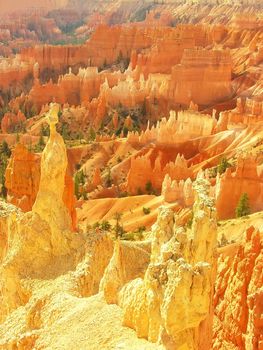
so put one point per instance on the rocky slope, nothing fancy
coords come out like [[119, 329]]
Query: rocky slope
[[51, 280], [131, 175]]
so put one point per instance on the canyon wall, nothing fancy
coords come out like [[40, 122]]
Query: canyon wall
[[247, 112], [203, 76], [238, 294], [105, 45], [169, 52], [14, 72], [230, 186], [144, 170]]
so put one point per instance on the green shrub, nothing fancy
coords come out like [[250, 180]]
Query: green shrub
[[149, 187], [79, 179], [128, 236], [105, 225], [146, 211], [5, 149], [223, 165], [243, 208], [5, 153], [190, 220], [118, 228], [91, 134], [108, 178], [223, 241]]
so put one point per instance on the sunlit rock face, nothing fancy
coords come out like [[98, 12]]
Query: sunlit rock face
[[23, 178], [181, 191], [203, 76], [35, 239], [172, 303], [238, 294], [144, 169], [154, 95], [247, 178], [49, 203], [247, 112]]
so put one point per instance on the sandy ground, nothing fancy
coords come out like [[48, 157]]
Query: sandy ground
[[131, 208]]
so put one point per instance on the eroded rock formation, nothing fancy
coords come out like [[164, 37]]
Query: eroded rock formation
[[247, 112], [203, 76], [179, 127], [238, 296], [27, 252], [22, 180], [13, 71], [12, 123], [173, 302], [168, 57], [246, 179], [181, 191], [147, 171]]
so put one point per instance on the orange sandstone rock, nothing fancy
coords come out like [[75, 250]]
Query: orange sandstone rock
[[115, 120], [181, 191], [22, 181], [97, 180], [238, 294], [247, 112], [12, 122], [246, 179], [179, 127], [14, 71], [151, 169], [182, 268], [203, 76]]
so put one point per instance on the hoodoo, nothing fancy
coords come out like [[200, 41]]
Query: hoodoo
[[131, 175]]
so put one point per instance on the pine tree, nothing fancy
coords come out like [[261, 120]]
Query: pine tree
[[118, 228], [41, 141], [105, 225], [243, 208], [44, 131], [108, 178], [76, 186], [65, 131], [91, 134], [149, 187], [5, 149], [81, 177], [144, 108], [223, 165], [79, 181]]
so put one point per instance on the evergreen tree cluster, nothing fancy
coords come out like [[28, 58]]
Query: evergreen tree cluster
[[5, 154], [79, 182]]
